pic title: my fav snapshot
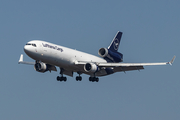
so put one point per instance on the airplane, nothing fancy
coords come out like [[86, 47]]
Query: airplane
[[48, 55]]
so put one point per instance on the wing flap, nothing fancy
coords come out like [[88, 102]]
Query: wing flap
[[123, 69]]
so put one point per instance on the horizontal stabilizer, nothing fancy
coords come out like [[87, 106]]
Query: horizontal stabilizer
[[23, 62]]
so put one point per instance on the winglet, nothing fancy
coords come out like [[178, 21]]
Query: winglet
[[21, 58], [171, 62]]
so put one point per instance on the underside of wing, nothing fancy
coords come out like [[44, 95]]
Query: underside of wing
[[118, 67], [132, 66], [122, 67], [129, 68]]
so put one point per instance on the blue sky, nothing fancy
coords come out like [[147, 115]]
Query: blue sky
[[150, 34]]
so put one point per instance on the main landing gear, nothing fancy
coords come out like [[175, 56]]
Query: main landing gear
[[61, 78], [79, 78], [94, 79]]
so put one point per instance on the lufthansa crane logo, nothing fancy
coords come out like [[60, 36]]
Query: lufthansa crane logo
[[116, 44]]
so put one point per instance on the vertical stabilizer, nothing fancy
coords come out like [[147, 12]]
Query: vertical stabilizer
[[116, 42]]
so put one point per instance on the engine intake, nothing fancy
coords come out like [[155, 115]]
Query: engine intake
[[103, 52], [110, 55], [90, 67], [41, 67]]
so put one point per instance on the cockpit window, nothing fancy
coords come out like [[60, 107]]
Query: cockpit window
[[34, 45], [31, 44], [28, 44]]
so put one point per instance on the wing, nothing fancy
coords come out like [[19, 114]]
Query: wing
[[135, 64], [118, 67], [130, 64], [50, 67]]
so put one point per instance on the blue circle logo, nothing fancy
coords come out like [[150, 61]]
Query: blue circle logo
[[116, 44]]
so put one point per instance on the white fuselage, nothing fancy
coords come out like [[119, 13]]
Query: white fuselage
[[60, 56]]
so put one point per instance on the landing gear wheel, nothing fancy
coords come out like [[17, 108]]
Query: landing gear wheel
[[97, 79], [61, 78], [93, 79], [58, 78], [78, 78], [90, 78], [65, 79]]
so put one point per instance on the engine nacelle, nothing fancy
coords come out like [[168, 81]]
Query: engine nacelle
[[90, 67], [41, 67], [110, 56], [103, 52]]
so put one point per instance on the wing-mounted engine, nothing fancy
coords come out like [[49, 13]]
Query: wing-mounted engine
[[110, 56], [91, 67], [43, 67], [40, 67]]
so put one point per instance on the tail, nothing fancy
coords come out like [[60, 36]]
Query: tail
[[116, 42]]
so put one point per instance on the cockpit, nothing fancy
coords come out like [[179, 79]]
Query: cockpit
[[31, 44]]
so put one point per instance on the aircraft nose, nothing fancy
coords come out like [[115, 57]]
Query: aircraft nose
[[27, 49]]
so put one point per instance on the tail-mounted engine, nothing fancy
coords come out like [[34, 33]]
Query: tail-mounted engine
[[110, 56], [41, 67], [90, 67]]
